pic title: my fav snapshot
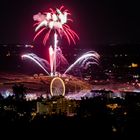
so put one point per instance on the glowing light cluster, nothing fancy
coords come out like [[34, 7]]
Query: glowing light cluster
[[54, 20]]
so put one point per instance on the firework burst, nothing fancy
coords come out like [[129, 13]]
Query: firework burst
[[54, 20]]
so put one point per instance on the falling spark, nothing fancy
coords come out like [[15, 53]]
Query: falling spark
[[32, 57], [91, 54]]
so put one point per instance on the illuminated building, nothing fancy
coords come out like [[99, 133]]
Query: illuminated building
[[58, 105]]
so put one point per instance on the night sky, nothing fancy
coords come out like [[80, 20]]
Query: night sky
[[96, 22]]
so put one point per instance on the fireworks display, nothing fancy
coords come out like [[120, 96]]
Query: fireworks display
[[90, 57], [39, 61], [54, 20], [84, 61]]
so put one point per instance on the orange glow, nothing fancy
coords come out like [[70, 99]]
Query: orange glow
[[134, 65]]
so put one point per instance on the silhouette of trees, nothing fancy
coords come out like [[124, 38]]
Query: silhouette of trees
[[19, 91], [1, 97]]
